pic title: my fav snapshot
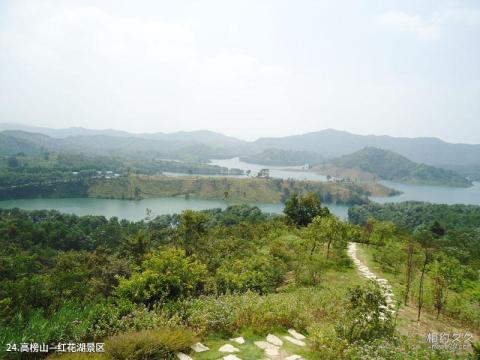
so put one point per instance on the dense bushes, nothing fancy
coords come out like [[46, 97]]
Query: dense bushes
[[257, 273], [166, 276]]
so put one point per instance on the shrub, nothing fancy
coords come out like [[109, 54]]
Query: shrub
[[326, 343], [255, 273], [149, 344], [168, 275], [362, 320]]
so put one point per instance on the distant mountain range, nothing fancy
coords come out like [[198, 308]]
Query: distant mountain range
[[372, 163], [334, 143], [63, 133], [203, 145]]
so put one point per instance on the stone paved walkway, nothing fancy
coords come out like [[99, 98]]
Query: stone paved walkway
[[384, 285], [272, 347]]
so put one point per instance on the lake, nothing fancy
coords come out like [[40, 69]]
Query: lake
[[433, 194], [136, 209]]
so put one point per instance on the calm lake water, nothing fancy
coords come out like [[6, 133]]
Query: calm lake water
[[433, 194], [136, 209]]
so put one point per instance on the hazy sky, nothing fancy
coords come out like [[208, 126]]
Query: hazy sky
[[244, 68]]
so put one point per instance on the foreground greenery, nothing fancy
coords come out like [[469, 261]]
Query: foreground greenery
[[150, 288]]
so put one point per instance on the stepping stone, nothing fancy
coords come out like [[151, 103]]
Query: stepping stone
[[265, 345], [296, 334], [228, 348], [294, 341], [274, 340], [293, 357], [239, 340], [272, 352], [231, 357], [199, 347], [183, 356]]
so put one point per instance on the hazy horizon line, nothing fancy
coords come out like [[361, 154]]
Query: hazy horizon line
[[134, 133]]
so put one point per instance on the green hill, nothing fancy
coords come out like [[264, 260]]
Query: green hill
[[279, 157], [11, 145], [372, 162], [231, 189]]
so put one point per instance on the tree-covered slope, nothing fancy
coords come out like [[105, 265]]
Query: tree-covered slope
[[410, 214], [280, 157], [11, 145], [388, 165]]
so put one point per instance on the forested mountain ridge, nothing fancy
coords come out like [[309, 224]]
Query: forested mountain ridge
[[333, 143], [279, 157], [10, 145], [329, 143], [378, 163], [105, 145]]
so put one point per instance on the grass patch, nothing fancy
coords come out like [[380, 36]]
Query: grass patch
[[149, 344]]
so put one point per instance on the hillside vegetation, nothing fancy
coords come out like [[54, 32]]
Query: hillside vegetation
[[231, 189], [279, 157], [21, 169], [79, 175], [410, 214], [373, 163]]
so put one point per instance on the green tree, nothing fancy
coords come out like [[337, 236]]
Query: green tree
[[425, 238], [167, 275], [445, 272], [364, 318], [302, 209], [325, 230], [137, 245], [256, 273], [382, 230], [409, 249], [193, 225]]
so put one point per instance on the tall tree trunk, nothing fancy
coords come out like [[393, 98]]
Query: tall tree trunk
[[420, 287], [328, 247], [409, 270], [313, 248]]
